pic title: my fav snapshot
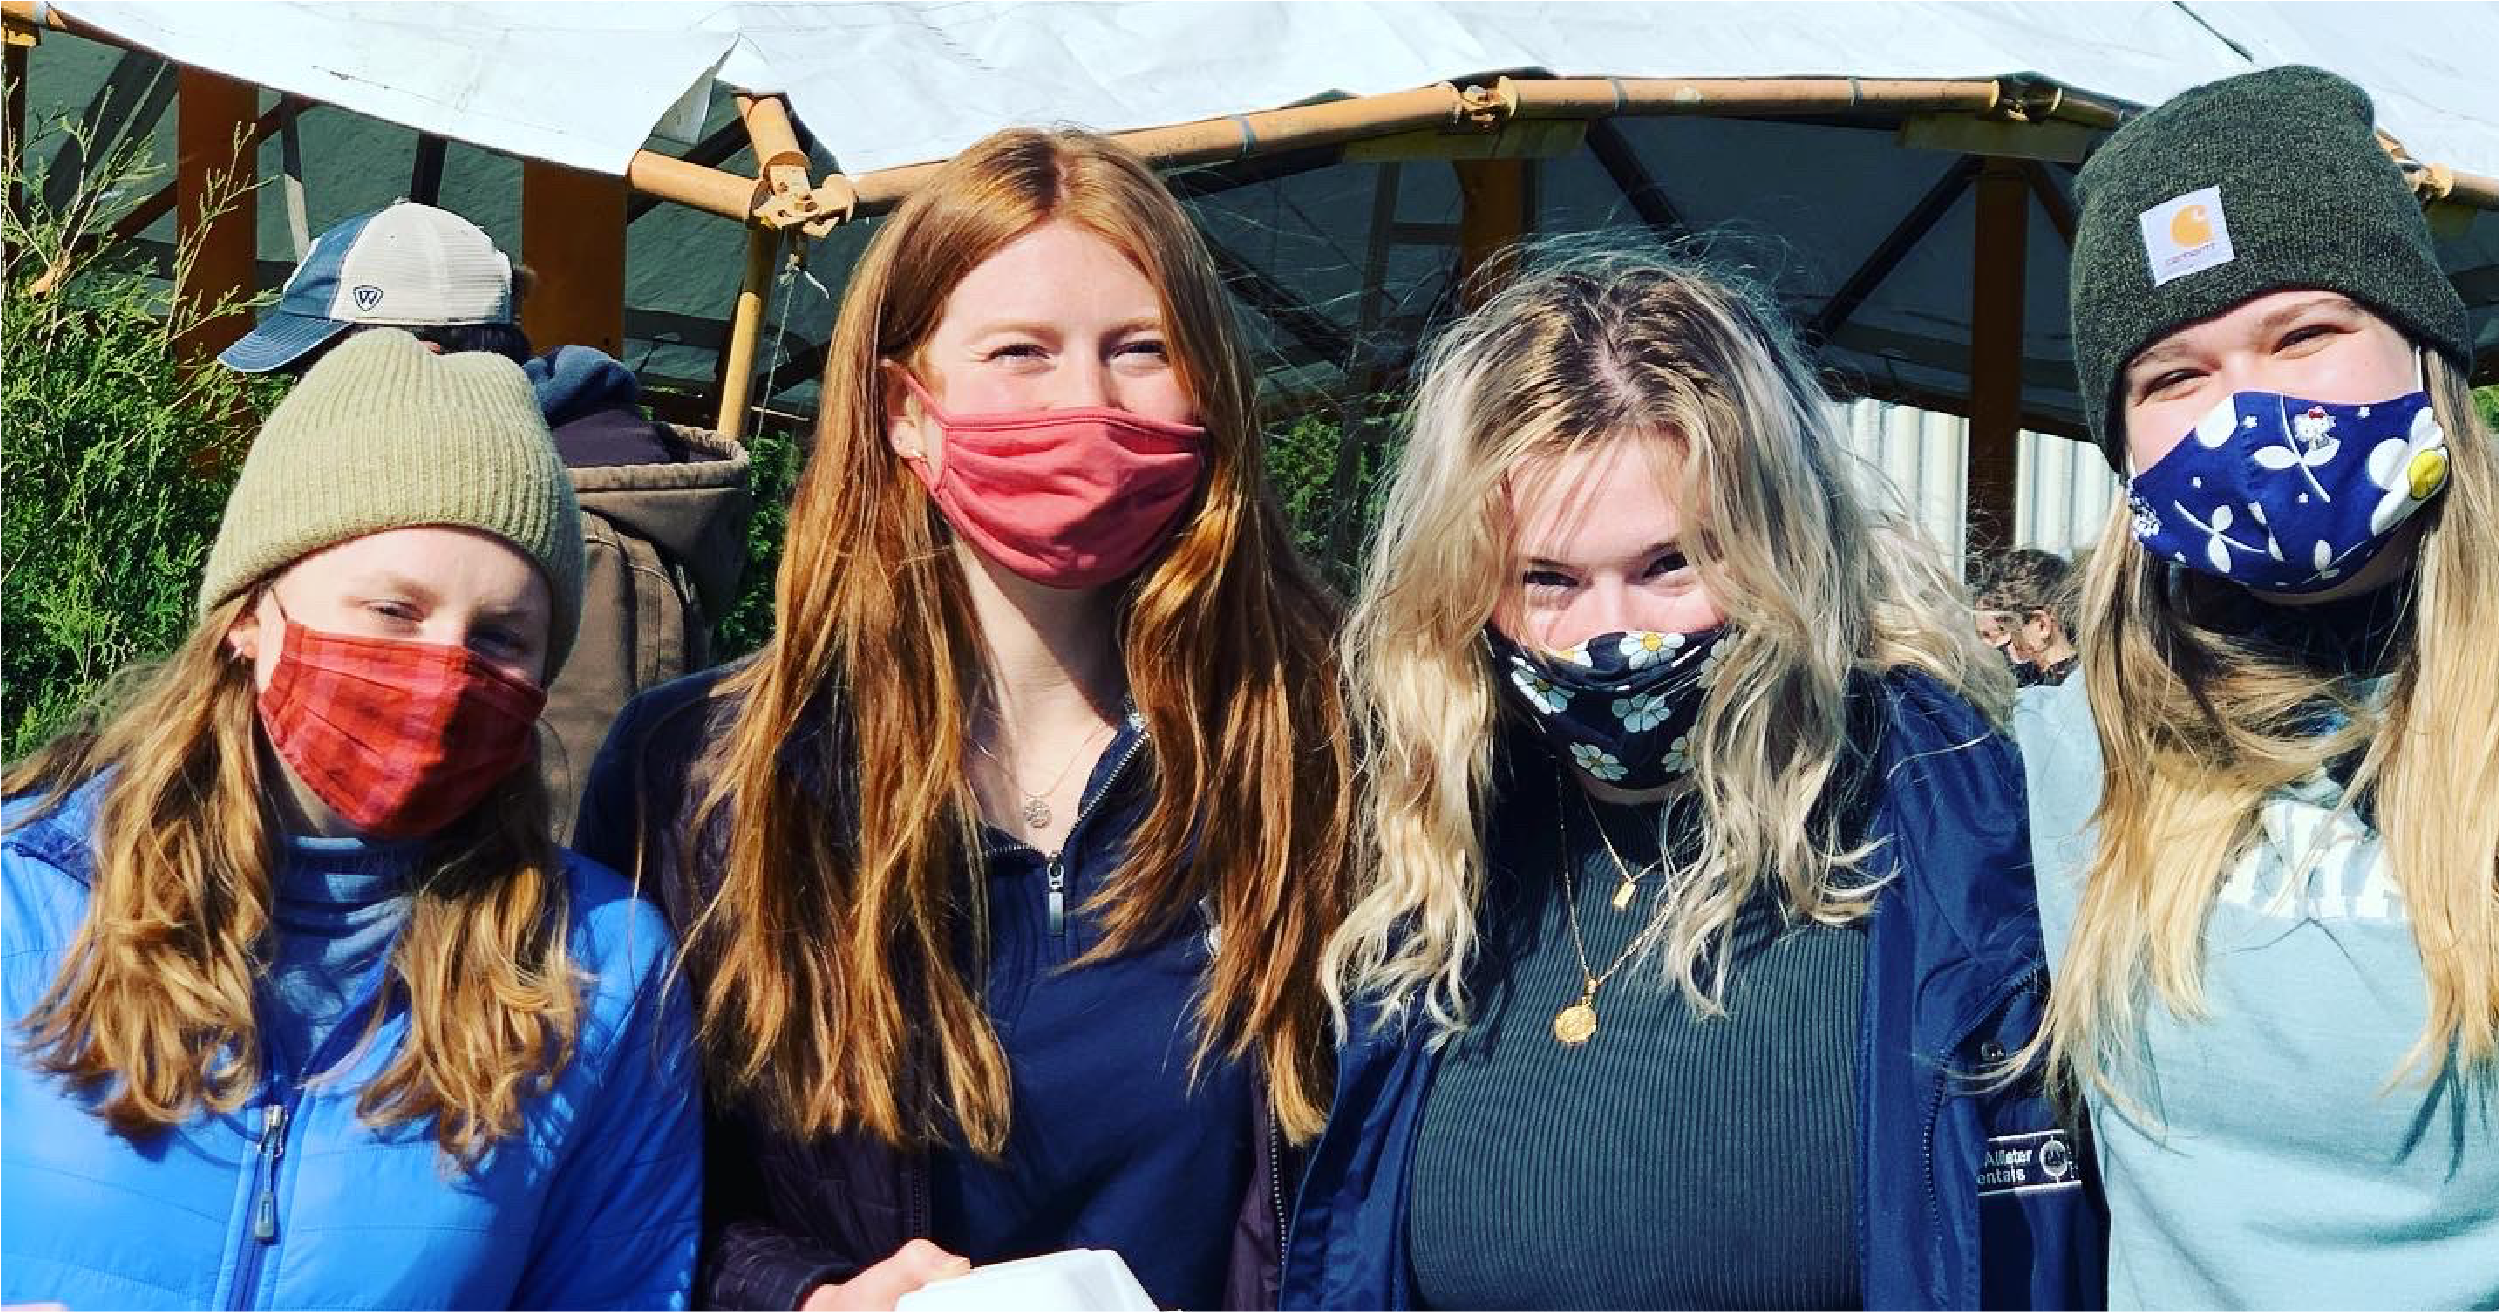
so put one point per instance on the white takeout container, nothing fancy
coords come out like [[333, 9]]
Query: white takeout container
[[1070, 1281]]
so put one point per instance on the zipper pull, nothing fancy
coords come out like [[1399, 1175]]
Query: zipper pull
[[1058, 885], [272, 1147]]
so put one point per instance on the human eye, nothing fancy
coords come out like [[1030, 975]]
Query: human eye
[[2166, 383], [1544, 581], [1667, 563], [396, 611], [1016, 354]]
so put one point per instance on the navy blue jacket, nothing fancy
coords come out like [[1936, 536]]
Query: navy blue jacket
[[1968, 1197], [785, 1214]]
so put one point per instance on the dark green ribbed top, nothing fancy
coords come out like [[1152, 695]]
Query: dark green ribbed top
[[1673, 1161]]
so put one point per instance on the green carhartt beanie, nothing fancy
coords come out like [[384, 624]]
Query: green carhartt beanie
[[2261, 183], [385, 434]]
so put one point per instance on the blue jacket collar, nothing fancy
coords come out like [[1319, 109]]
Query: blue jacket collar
[[62, 836]]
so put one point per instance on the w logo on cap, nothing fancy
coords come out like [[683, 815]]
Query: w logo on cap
[[367, 296]]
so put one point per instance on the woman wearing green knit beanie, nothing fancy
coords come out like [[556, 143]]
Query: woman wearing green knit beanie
[[301, 989], [2262, 819]]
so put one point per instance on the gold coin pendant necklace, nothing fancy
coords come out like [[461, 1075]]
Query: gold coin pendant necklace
[[1036, 808], [1576, 1024]]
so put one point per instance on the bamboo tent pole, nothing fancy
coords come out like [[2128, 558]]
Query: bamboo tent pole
[[746, 320]]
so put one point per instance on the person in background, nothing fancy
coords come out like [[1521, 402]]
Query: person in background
[[2263, 817], [664, 508], [2026, 612], [1694, 929], [305, 1009]]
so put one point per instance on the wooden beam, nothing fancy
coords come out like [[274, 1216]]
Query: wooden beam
[[215, 215], [1996, 356], [573, 238], [1496, 209], [425, 177], [1288, 312], [129, 104], [2052, 200], [1614, 153], [1888, 254], [1215, 179]]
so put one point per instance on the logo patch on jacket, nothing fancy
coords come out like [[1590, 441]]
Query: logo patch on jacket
[[2033, 1160]]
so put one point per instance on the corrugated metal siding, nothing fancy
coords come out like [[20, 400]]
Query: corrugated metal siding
[[2062, 490]]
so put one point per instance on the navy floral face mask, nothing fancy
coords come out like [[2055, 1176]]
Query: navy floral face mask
[[1620, 707], [2289, 495]]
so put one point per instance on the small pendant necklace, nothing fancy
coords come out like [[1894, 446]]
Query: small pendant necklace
[[1036, 807], [1576, 1024]]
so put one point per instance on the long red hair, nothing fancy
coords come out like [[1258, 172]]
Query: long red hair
[[827, 958]]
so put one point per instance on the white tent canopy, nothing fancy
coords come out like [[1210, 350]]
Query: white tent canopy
[[893, 83], [1342, 258]]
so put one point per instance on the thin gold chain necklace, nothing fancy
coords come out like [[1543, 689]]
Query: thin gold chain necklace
[[1576, 1024]]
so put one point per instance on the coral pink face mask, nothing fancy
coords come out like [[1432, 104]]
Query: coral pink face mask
[[1065, 498]]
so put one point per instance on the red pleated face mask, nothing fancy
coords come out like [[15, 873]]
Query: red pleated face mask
[[1065, 498], [399, 738]]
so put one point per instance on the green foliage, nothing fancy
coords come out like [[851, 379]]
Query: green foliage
[[1302, 458], [117, 456], [2487, 400], [776, 456]]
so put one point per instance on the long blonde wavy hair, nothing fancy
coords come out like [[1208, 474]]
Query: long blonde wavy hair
[[1819, 581], [153, 1010], [827, 962], [2197, 730]]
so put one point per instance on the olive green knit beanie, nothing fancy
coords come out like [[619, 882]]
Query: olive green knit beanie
[[385, 434], [2260, 183]]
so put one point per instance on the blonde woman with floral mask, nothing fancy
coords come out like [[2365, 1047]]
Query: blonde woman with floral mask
[[1695, 930]]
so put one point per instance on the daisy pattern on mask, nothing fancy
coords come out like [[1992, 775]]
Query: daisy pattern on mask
[[1646, 648], [2410, 468], [1707, 673], [1542, 692], [1599, 763], [1679, 758], [1641, 711]]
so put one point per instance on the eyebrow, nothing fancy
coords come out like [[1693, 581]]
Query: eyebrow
[[2294, 310], [1655, 549], [2160, 354], [419, 591], [1032, 328], [393, 582], [2172, 349]]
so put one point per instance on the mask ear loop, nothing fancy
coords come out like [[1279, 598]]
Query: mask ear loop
[[286, 623]]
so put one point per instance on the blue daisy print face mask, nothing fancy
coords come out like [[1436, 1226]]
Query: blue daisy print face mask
[[2287, 495], [1619, 707]]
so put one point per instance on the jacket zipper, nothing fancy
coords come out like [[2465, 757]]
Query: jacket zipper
[[1057, 877], [1054, 866], [278, 1118], [1276, 1182], [1935, 1101]]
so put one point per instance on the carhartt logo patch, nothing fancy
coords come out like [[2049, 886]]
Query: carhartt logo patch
[[367, 296], [2035, 1160], [2185, 234]]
